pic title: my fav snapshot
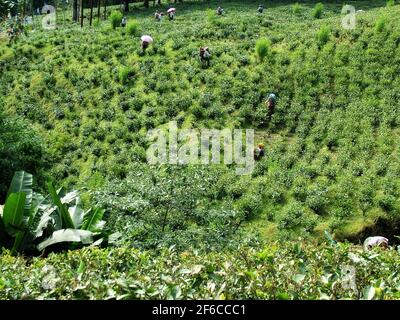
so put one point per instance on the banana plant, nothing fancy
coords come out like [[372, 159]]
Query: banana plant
[[29, 220]]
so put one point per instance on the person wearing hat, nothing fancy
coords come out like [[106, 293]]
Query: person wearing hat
[[260, 8], [373, 242], [124, 22], [220, 11], [205, 55], [270, 102], [158, 15], [259, 151]]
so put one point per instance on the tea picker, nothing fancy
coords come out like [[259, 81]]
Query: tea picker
[[124, 22], [145, 42], [171, 13], [270, 102], [205, 55], [158, 15], [260, 8], [259, 151], [373, 242], [220, 11]]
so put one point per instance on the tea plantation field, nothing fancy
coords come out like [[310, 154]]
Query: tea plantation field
[[76, 105]]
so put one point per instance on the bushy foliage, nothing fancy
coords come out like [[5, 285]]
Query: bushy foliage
[[263, 48], [380, 24], [132, 27], [318, 10], [115, 19], [275, 271], [296, 8], [390, 3], [20, 148], [323, 35]]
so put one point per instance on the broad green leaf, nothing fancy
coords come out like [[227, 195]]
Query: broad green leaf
[[70, 197], [3, 233], [92, 220], [76, 214], [17, 246], [14, 211], [67, 235], [64, 214], [22, 182]]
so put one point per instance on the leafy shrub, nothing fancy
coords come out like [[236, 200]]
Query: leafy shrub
[[318, 10], [323, 35], [380, 24], [263, 48], [114, 273], [296, 8], [124, 74], [212, 18], [115, 19], [132, 27], [390, 3], [20, 148]]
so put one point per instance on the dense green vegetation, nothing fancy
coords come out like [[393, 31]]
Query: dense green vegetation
[[76, 105], [289, 271]]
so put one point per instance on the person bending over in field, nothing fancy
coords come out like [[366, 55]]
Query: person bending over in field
[[259, 151], [171, 15], [373, 242], [205, 56], [260, 8], [124, 22], [220, 11], [145, 44], [270, 102], [158, 16]]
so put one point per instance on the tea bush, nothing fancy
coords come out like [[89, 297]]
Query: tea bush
[[277, 271]]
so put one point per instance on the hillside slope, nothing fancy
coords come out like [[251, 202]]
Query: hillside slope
[[332, 158]]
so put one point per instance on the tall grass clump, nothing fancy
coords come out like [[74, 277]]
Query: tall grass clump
[[318, 10], [380, 24], [263, 48], [132, 27], [296, 8], [390, 3], [323, 35], [125, 73], [115, 19], [211, 17]]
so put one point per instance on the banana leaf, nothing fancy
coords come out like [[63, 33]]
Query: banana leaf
[[76, 214], [13, 212], [92, 220], [67, 235], [63, 212], [22, 182]]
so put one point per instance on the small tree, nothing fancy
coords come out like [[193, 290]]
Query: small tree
[[115, 19], [323, 35], [132, 27], [296, 8], [317, 11], [380, 24], [390, 3], [263, 47]]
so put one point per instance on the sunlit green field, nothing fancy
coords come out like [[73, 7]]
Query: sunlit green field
[[89, 96]]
